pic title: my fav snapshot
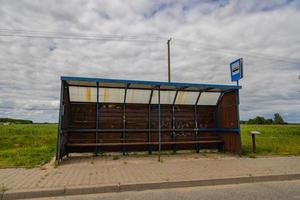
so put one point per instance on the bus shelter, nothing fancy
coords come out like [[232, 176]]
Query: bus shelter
[[109, 115]]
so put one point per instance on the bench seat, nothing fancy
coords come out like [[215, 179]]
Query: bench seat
[[217, 141]]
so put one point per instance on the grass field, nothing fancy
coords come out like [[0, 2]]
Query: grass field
[[274, 139], [34, 144], [27, 145]]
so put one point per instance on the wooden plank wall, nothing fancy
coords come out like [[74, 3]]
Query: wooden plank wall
[[228, 118], [83, 115]]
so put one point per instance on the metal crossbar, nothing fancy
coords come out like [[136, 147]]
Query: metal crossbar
[[155, 130]]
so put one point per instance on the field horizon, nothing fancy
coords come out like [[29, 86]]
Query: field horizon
[[31, 145]]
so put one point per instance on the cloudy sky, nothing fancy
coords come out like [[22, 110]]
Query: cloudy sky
[[42, 40]]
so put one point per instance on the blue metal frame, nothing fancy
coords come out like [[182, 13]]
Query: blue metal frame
[[149, 123], [237, 96], [174, 147], [159, 128], [69, 107], [149, 83], [153, 130], [124, 119], [97, 119], [197, 146], [59, 131], [69, 119]]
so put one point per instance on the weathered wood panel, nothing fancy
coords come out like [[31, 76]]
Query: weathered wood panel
[[111, 116], [228, 118]]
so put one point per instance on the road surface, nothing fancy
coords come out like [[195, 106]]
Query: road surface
[[264, 190]]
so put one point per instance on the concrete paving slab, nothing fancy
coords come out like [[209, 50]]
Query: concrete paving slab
[[82, 175]]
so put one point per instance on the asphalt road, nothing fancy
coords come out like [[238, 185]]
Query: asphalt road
[[267, 190]]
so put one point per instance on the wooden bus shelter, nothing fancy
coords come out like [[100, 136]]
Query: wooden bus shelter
[[110, 115]]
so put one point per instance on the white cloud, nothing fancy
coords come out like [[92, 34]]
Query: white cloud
[[219, 32]]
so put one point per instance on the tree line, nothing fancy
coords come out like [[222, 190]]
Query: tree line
[[277, 119], [15, 121]]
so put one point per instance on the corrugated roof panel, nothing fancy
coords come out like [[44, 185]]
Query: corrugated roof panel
[[209, 98], [111, 95], [166, 97], [83, 94], [186, 98], [138, 96]]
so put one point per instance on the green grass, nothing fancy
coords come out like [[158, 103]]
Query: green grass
[[274, 139], [32, 145], [27, 145]]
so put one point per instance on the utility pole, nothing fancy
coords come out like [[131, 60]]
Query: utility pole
[[169, 61]]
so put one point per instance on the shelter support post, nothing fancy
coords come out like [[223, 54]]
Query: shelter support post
[[69, 115], [238, 118], [59, 130], [69, 107], [124, 121], [159, 125], [150, 146], [174, 147], [97, 120], [197, 146], [237, 109]]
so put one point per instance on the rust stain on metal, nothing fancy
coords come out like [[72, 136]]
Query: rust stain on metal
[[106, 95], [179, 98], [88, 94]]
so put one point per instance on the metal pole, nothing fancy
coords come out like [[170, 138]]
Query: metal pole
[[69, 116], [169, 61], [238, 114], [97, 119], [196, 123], [149, 124], [69, 108], [174, 122], [237, 104], [159, 128], [124, 120]]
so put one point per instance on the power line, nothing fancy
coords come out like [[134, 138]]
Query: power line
[[216, 48], [76, 36], [135, 38]]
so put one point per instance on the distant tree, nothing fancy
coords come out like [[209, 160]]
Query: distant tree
[[16, 121], [278, 119], [259, 120], [269, 121]]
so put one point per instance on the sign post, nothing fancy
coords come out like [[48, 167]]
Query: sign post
[[236, 72]]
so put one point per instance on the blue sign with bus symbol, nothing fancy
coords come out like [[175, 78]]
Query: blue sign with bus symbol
[[236, 69]]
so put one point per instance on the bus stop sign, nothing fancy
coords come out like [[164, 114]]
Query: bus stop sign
[[236, 69]]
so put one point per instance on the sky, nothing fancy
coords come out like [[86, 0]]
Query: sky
[[127, 39]]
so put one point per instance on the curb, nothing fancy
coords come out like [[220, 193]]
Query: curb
[[34, 193]]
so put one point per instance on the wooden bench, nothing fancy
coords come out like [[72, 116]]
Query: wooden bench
[[209, 140], [143, 143]]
